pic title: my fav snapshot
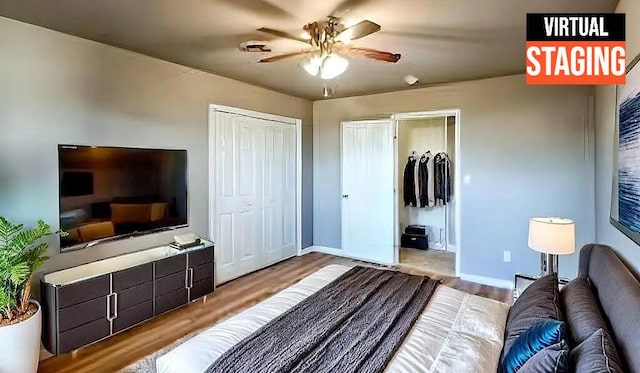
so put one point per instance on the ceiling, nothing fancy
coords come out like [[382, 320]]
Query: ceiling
[[440, 40]]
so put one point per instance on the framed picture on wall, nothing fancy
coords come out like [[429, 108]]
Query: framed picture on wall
[[625, 192]]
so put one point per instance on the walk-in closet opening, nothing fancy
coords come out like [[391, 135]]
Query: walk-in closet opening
[[426, 214]]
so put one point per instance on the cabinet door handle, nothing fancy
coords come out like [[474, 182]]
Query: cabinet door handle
[[115, 306], [109, 307], [190, 278]]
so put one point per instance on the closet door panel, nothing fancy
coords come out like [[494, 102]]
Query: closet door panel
[[250, 162], [228, 255], [355, 197], [255, 193], [367, 179], [352, 150], [379, 172], [289, 189], [273, 186]]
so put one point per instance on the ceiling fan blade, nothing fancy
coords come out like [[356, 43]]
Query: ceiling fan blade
[[285, 56], [357, 31], [370, 53], [283, 34]]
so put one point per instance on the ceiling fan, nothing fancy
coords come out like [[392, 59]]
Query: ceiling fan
[[329, 41]]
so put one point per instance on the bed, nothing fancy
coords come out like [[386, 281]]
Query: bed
[[456, 331]]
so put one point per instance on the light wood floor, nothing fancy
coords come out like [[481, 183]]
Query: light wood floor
[[436, 261], [116, 352]]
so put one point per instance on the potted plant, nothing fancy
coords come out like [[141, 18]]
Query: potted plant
[[22, 251]]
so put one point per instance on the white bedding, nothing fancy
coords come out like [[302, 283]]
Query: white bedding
[[457, 332]]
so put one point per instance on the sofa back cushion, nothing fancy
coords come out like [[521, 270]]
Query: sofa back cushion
[[540, 301], [581, 310]]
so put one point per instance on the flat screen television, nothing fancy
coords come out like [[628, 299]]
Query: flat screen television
[[108, 193]]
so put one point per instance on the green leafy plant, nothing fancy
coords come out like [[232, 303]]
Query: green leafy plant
[[22, 252]]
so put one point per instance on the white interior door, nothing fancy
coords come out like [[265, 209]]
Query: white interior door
[[238, 222], [367, 190], [255, 200], [279, 213]]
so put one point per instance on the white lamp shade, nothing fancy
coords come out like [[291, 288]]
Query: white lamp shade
[[332, 66], [312, 65], [552, 235]]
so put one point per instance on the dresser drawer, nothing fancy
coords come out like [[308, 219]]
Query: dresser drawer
[[135, 295], [201, 288], [171, 283], [202, 272], [201, 256], [133, 315], [83, 335], [171, 300], [69, 295], [170, 265], [82, 313], [132, 276]]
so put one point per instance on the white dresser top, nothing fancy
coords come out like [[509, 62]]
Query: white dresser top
[[114, 264]]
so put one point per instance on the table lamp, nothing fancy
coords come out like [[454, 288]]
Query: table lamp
[[551, 237]]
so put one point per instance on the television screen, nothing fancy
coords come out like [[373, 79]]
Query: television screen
[[73, 183], [108, 192]]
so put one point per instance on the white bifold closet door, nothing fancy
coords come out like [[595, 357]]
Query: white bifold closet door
[[255, 193], [367, 190]]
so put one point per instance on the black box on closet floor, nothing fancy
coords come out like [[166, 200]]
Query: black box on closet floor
[[416, 229], [414, 241]]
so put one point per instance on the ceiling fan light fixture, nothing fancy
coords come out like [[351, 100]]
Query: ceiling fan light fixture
[[327, 92], [312, 65], [305, 35], [333, 66]]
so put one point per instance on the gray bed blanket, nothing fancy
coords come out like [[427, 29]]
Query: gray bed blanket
[[354, 324]]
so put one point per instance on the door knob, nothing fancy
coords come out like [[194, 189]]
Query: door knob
[[345, 196]]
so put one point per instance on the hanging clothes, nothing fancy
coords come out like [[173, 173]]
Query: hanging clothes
[[423, 178], [416, 185], [442, 182], [438, 179], [431, 200], [409, 190], [427, 181]]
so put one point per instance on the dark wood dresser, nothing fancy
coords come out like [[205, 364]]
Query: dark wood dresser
[[85, 304]]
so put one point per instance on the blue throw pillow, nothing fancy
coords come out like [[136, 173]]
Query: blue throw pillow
[[543, 334]]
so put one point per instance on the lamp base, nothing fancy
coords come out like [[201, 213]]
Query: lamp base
[[548, 264]]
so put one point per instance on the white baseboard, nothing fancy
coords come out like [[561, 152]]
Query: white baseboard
[[322, 249], [491, 281], [306, 250]]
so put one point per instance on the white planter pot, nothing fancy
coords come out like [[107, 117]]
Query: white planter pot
[[20, 345]]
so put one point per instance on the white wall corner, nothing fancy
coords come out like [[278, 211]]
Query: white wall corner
[[491, 281], [306, 250], [322, 249]]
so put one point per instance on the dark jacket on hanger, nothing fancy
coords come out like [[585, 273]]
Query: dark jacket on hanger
[[409, 189], [423, 176], [442, 178]]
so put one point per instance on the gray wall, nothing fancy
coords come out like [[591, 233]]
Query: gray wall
[[605, 128], [526, 150], [57, 89]]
